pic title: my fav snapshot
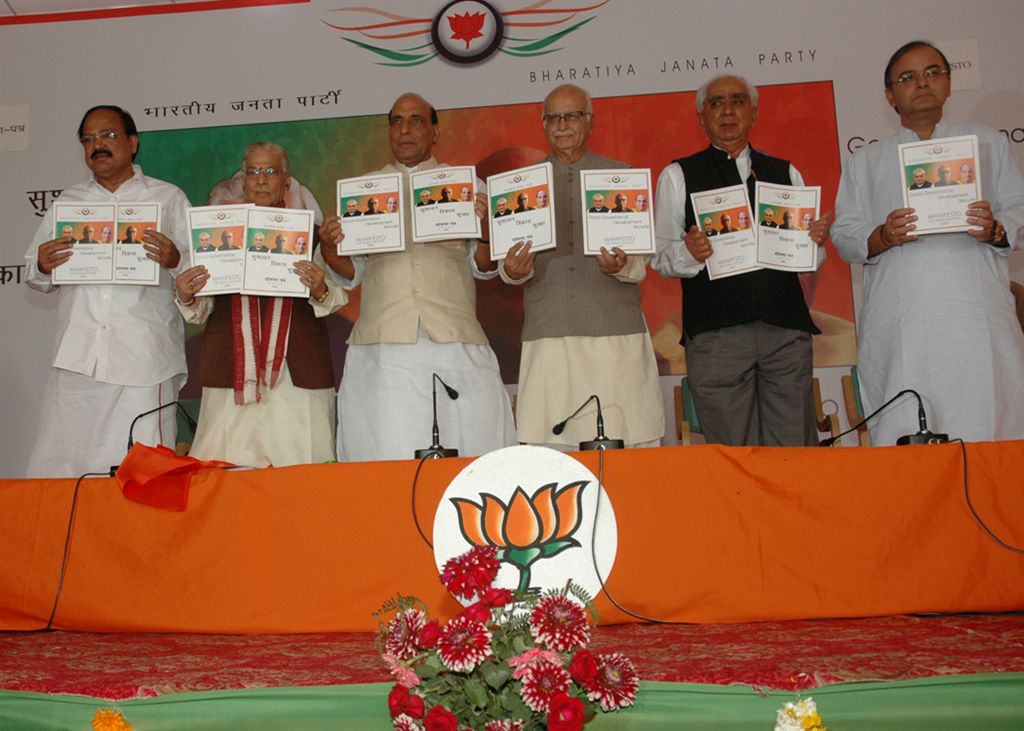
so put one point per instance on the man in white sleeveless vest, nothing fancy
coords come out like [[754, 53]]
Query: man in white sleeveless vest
[[584, 330], [417, 317]]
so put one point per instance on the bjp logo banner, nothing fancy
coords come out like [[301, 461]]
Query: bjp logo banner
[[545, 513]]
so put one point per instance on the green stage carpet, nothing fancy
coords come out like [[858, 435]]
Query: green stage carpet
[[993, 702]]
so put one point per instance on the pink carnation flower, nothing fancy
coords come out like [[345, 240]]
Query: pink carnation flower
[[533, 656], [504, 724], [406, 723], [403, 674]]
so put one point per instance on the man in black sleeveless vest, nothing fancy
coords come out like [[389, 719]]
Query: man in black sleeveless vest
[[747, 337]]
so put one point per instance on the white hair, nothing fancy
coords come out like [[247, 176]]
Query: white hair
[[267, 147], [702, 92], [588, 102]]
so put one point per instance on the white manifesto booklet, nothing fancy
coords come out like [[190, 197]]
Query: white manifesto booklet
[[939, 178], [276, 239], [217, 235], [520, 210], [92, 261], [444, 204], [371, 211], [718, 212], [616, 211], [785, 214]]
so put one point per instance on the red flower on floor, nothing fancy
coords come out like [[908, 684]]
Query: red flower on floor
[[464, 644], [617, 682], [565, 713], [560, 623]]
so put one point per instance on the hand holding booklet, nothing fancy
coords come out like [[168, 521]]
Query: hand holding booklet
[[520, 210], [108, 246], [444, 204], [720, 214], [371, 209], [250, 249], [939, 179], [784, 215], [616, 211]]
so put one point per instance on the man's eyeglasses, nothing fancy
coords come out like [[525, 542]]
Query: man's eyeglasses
[[270, 172], [932, 73], [107, 135], [413, 121], [552, 118]]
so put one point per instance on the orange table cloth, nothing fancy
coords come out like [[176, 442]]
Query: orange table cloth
[[706, 534]]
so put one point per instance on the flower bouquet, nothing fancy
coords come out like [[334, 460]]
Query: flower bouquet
[[511, 661]]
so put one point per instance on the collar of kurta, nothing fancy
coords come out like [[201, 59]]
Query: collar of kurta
[[136, 176], [429, 164], [908, 135]]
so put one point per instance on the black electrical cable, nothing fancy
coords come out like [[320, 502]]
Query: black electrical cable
[[415, 515], [593, 554], [832, 440], [67, 544], [970, 506]]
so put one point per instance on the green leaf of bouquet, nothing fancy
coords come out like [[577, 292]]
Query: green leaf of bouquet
[[495, 675], [515, 706], [556, 547], [523, 557], [431, 668], [476, 693], [522, 644]]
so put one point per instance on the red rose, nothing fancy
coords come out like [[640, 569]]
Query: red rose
[[429, 635], [583, 669], [440, 718], [477, 611], [495, 597], [400, 701], [564, 713]]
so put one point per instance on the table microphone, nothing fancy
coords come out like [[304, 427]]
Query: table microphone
[[924, 435], [188, 418], [598, 442], [435, 450], [131, 428]]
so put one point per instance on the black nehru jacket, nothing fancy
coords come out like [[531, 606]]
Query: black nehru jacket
[[766, 294]]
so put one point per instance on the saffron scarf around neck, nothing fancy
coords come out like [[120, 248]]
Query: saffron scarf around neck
[[260, 343]]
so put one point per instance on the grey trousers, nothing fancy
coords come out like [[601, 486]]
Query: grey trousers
[[751, 385]]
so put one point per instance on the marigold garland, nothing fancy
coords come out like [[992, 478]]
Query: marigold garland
[[107, 719]]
